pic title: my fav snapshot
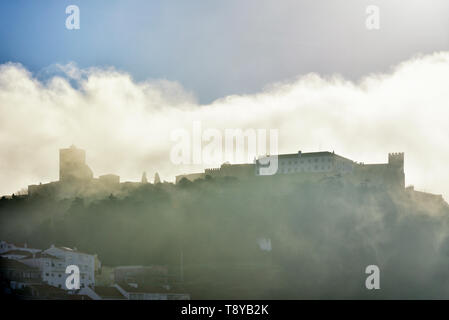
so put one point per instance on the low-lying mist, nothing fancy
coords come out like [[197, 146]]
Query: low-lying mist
[[319, 237]]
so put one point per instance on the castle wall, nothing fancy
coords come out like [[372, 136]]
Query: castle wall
[[389, 174], [243, 171]]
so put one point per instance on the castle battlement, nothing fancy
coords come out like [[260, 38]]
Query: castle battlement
[[396, 158], [396, 154]]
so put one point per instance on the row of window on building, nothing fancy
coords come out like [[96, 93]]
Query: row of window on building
[[304, 161]]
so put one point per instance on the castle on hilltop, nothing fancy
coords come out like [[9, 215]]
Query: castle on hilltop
[[76, 178], [316, 166], [321, 166]]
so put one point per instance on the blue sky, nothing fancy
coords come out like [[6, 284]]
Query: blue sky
[[218, 48]]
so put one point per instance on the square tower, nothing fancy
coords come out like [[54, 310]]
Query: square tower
[[396, 159], [72, 165], [396, 169]]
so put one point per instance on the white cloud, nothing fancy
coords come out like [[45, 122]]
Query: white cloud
[[125, 125]]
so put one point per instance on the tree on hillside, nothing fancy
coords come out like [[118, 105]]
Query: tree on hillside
[[157, 179]]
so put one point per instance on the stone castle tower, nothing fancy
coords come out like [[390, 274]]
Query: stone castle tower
[[72, 165], [396, 166]]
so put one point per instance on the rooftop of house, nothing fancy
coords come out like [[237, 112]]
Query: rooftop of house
[[108, 292], [16, 244], [17, 252], [137, 267], [14, 264], [301, 154], [49, 292], [149, 289], [42, 255], [74, 250]]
